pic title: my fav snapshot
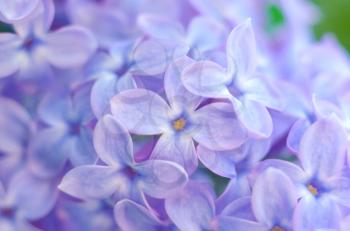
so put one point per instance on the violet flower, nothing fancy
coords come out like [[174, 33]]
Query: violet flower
[[248, 93], [321, 184], [122, 176], [68, 132], [37, 48], [179, 123]]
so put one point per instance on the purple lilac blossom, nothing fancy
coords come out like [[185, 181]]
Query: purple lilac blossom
[[157, 115]]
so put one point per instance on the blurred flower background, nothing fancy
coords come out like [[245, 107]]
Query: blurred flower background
[[186, 115]]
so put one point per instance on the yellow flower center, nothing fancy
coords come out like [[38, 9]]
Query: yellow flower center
[[179, 124], [312, 189], [277, 228]]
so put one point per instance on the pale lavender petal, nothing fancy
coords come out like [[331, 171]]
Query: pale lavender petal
[[11, 56], [160, 178], [313, 214], [178, 96], [254, 116], [134, 217], [218, 129], [345, 224], [179, 149], [214, 30], [340, 192], [323, 148], [15, 127], [141, 111], [32, 196], [206, 78], [82, 150], [152, 56], [112, 142], [106, 86], [39, 22], [295, 173], [54, 107], [14, 10], [241, 50], [48, 152], [90, 182], [221, 163], [295, 134], [262, 90], [191, 209], [69, 47], [237, 188], [233, 223], [160, 27], [240, 208], [278, 209]]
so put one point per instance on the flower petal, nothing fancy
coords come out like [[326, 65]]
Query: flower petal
[[314, 214], [160, 178], [238, 224], [340, 190], [10, 54], [262, 90], [134, 217], [221, 163], [178, 96], [32, 196], [206, 78], [48, 152], [15, 127], [240, 208], [112, 142], [141, 111], [295, 134], [178, 149], [192, 208], [238, 187], [90, 182], [241, 50], [69, 47], [14, 10], [214, 30], [152, 56], [295, 173], [218, 128], [322, 148], [160, 27], [254, 116], [278, 209], [106, 86]]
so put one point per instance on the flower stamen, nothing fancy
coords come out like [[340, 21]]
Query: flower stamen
[[277, 228], [312, 189], [179, 124]]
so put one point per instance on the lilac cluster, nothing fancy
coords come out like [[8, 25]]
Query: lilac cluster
[[191, 115]]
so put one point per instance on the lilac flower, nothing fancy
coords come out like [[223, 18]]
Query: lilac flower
[[275, 213], [248, 93], [122, 176], [37, 48], [194, 208], [320, 181], [68, 135], [27, 198], [179, 124]]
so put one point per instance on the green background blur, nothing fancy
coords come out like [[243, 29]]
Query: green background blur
[[336, 19]]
